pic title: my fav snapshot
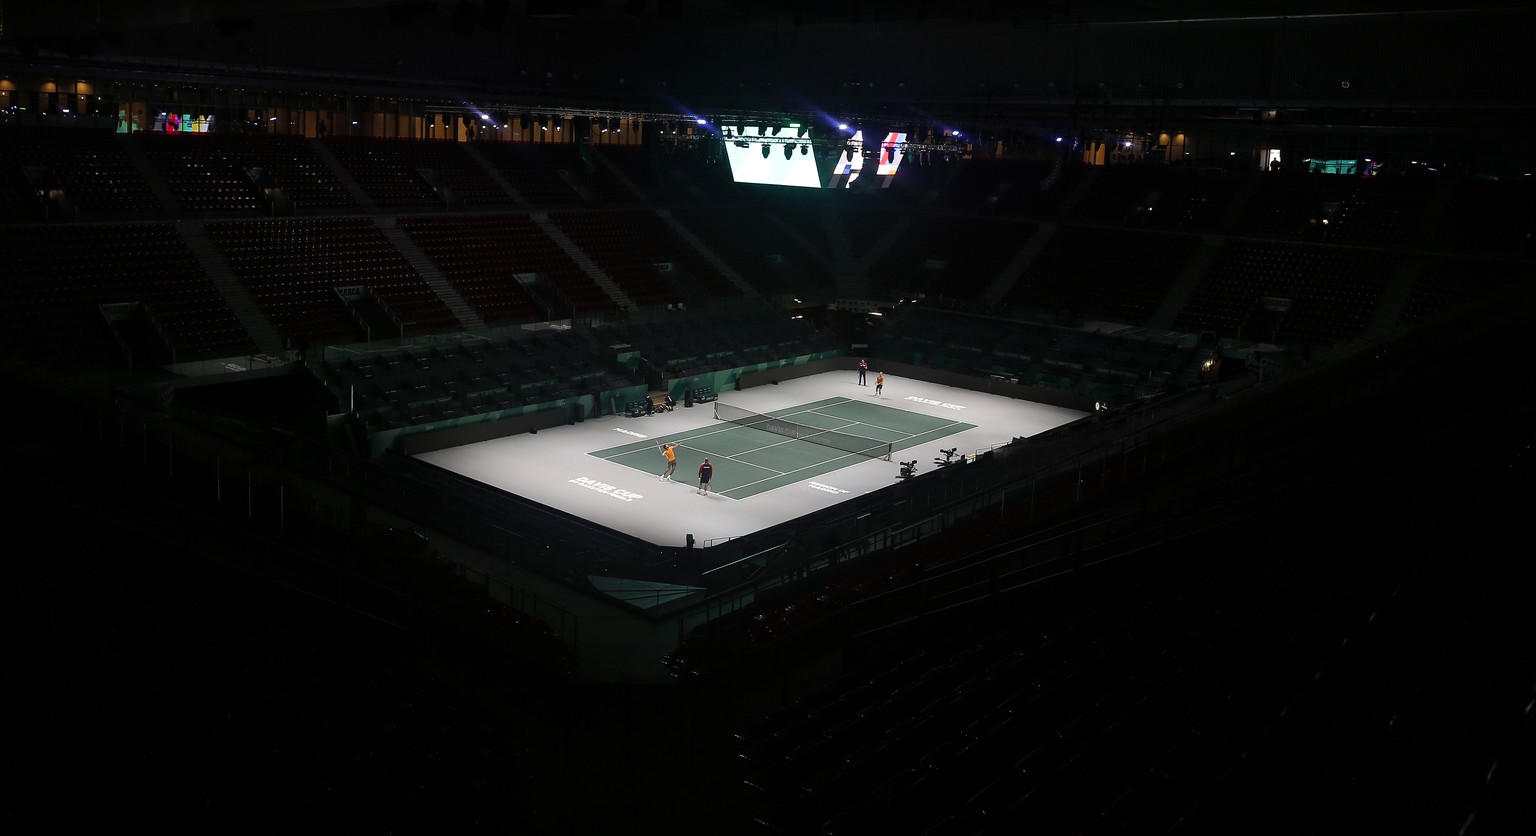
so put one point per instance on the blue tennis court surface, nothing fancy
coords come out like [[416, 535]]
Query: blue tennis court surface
[[748, 461]]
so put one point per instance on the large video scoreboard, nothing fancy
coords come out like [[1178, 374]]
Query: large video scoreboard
[[788, 158]]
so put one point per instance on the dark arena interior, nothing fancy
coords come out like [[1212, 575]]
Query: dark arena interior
[[1200, 509]]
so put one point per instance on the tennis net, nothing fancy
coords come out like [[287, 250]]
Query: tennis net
[[816, 435]]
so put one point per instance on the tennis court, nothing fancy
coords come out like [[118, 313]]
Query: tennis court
[[753, 453], [577, 470]]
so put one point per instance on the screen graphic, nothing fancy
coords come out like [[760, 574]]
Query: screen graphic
[[887, 158], [751, 164]]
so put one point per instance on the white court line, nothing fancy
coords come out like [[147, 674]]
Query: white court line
[[935, 429], [816, 410], [909, 437], [807, 467], [732, 456], [841, 401], [848, 455], [684, 434], [778, 473]]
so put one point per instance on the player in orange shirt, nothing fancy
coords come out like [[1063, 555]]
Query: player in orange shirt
[[671, 454]]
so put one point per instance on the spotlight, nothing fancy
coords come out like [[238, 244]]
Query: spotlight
[[789, 152], [766, 151], [805, 149]]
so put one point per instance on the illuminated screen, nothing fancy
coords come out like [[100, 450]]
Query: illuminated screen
[[184, 123], [850, 164], [748, 165], [892, 152], [1365, 167]]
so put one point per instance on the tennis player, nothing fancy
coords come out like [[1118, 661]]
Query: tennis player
[[879, 383], [706, 470], [671, 454]]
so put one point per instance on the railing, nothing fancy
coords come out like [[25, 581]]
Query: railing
[[1209, 431], [1025, 480]]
